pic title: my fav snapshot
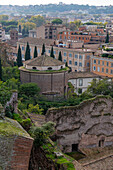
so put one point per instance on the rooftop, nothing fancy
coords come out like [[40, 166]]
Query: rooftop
[[36, 41], [75, 75], [43, 60]]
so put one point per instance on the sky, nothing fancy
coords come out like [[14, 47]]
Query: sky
[[34, 2]]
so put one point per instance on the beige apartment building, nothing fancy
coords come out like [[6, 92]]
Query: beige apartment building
[[77, 59], [47, 31]]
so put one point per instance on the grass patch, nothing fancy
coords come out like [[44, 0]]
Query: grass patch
[[45, 71], [76, 155], [62, 160]]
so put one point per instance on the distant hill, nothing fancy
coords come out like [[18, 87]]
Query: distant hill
[[36, 9]]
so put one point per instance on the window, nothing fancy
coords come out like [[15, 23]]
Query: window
[[80, 82], [107, 70], [88, 57], [98, 69], [70, 62], [107, 64], [74, 147], [64, 60], [65, 54], [38, 50], [70, 55], [76, 56], [68, 37], [94, 61], [65, 33], [102, 69], [49, 68], [75, 63], [34, 68], [94, 68], [22, 55], [101, 143], [80, 64], [98, 61], [48, 51], [111, 64], [22, 48], [60, 37], [54, 52], [111, 71], [79, 90], [103, 63], [87, 64], [80, 57]]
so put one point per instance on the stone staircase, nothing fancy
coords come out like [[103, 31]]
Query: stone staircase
[[38, 120]]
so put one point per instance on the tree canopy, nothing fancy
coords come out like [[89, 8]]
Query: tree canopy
[[60, 56], [27, 53], [43, 49], [57, 21], [107, 38], [35, 52], [38, 20], [52, 53], [19, 57]]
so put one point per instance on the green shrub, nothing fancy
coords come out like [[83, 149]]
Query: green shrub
[[34, 109]]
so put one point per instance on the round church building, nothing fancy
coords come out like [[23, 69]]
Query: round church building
[[49, 74]]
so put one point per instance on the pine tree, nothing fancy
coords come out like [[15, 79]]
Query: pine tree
[[0, 70], [43, 49], [35, 52], [60, 56], [107, 38], [52, 53], [27, 53], [19, 57]]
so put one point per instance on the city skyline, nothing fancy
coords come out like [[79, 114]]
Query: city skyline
[[80, 2]]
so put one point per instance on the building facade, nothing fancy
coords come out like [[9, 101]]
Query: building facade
[[77, 59], [81, 81], [48, 73], [2, 33], [102, 66], [14, 35]]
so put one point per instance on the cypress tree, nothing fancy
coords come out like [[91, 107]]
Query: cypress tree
[[43, 49], [60, 56], [19, 57], [27, 53], [52, 53], [35, 52], [107, 38], [66, 64], [0, 70]]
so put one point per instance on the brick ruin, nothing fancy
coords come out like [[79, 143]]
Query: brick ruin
[[88, 125]]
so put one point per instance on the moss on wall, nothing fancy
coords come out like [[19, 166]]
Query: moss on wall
[[9, 127]]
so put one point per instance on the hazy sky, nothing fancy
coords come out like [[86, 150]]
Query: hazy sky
[[34, 2]]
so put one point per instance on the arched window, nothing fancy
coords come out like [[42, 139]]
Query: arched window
[[49, 68], [101, 142], [34, 68]]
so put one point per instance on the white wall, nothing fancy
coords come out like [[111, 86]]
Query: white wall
[[86, 82]]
